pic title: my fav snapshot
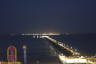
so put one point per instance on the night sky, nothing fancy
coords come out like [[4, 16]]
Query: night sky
[[73, 16]]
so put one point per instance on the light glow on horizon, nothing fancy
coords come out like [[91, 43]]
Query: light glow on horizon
[[40, 34]]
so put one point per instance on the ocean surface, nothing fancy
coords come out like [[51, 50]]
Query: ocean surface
[[84, 43], [39, 49]]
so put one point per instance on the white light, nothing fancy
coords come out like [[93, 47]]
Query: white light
[[75, 60], [45, 36]]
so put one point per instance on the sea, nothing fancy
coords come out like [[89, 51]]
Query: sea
[[84, 43], [38, 49]]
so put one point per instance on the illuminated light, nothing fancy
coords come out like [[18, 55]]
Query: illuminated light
[[12, 54], [34, 36], [40, 34], [24, 46], [0, 62], [45, 36], [64, 46], [25, 53], [11, 63], [82, 57], [75, 60]]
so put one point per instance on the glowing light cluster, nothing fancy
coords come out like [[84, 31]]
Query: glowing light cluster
[[74, 60], [40, 34], [74, 52]]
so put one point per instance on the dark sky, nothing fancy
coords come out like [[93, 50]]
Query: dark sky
[[76, 16]]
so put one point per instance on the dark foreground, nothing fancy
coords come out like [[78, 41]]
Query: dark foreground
[[39, 50]]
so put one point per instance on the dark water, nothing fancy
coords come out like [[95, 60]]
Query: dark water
[[84, 43], [37, 49]]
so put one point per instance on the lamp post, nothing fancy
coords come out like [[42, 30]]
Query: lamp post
[[25, 53]]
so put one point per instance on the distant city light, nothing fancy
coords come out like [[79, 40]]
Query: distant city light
[[40, 34]]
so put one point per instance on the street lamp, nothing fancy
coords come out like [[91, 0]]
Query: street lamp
[[25, 53]]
